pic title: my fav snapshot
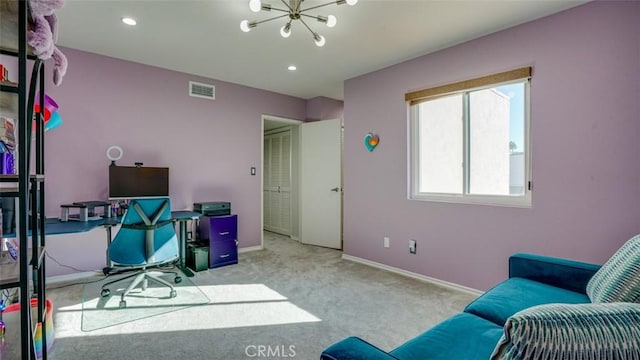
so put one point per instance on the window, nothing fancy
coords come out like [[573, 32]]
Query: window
[[469, 141]]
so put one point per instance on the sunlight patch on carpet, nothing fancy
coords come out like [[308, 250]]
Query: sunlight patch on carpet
[[100, 312], [231, 306], [237, 293]]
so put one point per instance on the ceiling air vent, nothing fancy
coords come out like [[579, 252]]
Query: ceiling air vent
[[201, 90]]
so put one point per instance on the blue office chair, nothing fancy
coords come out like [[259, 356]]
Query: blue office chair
[[146, 240]]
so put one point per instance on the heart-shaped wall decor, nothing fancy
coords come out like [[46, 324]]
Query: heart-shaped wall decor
[[371, 141]]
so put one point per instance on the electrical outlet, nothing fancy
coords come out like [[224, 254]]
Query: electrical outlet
[[412, 246], [386, 241]]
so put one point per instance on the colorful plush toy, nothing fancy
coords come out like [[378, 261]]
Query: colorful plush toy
[[44, 34]]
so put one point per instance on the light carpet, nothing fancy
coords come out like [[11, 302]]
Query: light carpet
[[293, 299]]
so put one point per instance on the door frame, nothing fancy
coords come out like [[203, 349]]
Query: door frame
[[285, 122]]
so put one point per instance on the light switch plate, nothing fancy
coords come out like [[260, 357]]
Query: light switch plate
[[412, 246]]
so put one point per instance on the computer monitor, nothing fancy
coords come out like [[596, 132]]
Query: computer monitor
[[127, 182]]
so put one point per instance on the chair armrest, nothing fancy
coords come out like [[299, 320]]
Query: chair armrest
[[563, 273], [354, 348]]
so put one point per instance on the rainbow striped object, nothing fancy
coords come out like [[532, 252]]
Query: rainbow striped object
[[48, 316]]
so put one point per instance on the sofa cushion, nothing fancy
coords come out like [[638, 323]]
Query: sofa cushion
[[618, 280], [463, 336], [515, 294], [569, 331]]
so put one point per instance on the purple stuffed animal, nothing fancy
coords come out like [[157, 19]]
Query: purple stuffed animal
[[44, 34]]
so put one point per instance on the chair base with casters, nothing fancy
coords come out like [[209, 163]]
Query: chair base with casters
[[146, 243], [142, 279]]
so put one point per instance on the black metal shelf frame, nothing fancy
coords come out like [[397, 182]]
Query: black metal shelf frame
[[29, 189]]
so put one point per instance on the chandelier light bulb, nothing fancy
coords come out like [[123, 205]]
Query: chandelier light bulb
[[319, 40], [285, 31], [352, 2], [331, 21], [256, 5], [129, 21], [244, 26]]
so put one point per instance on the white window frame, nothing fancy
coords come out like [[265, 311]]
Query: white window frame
[[524, 200]]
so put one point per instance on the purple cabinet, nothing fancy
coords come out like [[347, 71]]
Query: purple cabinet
[[217, 228], [222, 235], [223, 252]]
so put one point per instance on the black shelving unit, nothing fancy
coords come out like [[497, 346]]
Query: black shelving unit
[[28, 189]]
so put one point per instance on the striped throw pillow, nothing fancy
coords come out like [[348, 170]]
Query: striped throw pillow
[[604, 331], [618, 280]]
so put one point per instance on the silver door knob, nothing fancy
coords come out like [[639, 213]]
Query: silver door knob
[[336, 189]]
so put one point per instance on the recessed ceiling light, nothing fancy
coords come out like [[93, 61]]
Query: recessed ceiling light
[[292, 68], [129, 21]]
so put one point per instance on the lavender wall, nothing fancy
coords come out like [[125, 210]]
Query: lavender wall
[[324, 108], [584, 128], [209, 146]]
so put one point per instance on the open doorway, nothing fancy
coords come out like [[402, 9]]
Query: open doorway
[[280, 183], [301, 180]]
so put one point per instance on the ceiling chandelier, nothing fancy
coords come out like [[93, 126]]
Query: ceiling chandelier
[[294, 11]]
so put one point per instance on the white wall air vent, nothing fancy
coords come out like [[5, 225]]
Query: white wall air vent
[[201, 90]]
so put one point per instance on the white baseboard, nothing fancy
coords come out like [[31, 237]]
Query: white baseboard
[[53, 280], [250, 248], [428, 279]]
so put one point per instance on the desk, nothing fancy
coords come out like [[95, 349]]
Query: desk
[[182, 217], [108, 224], [54, 226], [67, 240]]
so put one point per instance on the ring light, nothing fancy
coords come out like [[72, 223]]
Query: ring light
[[114, 157]]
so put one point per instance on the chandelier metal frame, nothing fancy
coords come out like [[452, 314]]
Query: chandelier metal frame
[[294, 11]]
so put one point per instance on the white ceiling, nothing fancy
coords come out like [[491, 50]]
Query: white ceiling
[[204, 38]]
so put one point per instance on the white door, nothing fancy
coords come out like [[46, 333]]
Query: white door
[[277, 182], [321, 183]]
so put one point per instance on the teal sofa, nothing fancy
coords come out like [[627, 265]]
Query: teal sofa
[[535, 284]]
